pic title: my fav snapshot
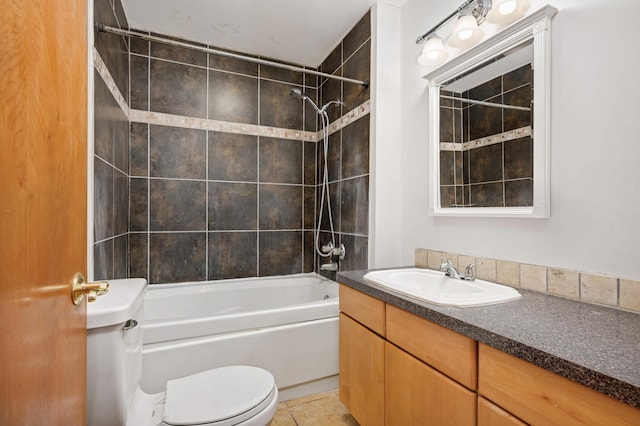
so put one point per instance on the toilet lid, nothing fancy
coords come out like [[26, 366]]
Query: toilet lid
[[218, 394]]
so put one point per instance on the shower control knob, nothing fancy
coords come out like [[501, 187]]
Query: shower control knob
[[328, 248]]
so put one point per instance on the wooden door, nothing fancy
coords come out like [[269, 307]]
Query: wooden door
[[43, 213]]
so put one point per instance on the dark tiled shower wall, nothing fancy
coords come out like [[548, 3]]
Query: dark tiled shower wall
[[212, 205], [111, 150], [170, 235], [113, 49], [348, 156], [497, 175]]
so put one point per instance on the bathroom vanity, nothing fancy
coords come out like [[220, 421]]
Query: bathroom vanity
[[403, 361]]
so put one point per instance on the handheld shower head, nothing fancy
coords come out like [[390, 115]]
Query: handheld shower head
[[298, 92]]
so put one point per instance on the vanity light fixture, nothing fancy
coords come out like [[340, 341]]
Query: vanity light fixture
[[466, 33], [506, 11]]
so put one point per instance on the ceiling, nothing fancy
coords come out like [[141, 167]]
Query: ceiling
[[298, 31]]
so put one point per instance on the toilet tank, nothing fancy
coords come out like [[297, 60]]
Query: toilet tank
[[114, 351]]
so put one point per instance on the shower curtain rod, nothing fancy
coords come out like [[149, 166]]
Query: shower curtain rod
[[129, 33], [491, 104]]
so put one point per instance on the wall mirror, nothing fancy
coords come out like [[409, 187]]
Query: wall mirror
[[489, 132]]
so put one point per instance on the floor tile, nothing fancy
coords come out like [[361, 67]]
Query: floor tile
[[282, 418], [327, 411], [310, 398], [324, 409]]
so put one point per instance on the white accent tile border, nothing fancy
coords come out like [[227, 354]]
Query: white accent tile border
[[102, 69], [163, 119], [246, 129], [486, 141], [350, 117]]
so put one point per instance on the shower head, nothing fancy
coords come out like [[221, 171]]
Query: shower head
[[298, 92]]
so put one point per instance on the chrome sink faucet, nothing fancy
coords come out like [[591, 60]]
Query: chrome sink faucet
[[450, 271]]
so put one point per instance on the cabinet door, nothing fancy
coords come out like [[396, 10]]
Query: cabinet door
[[361, 372], [490, 414], [416, 394]]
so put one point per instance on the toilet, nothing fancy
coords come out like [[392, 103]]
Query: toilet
[[233, 395]]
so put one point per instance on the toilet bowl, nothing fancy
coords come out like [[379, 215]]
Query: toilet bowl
[[233, 395]]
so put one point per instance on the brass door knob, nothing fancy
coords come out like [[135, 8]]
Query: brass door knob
[[80, 287]]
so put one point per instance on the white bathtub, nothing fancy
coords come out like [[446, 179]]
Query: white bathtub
[[287, 325]]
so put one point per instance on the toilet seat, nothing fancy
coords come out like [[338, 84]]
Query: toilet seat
[[222, 397]]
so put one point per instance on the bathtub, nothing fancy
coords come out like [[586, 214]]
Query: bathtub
[[287, 325]]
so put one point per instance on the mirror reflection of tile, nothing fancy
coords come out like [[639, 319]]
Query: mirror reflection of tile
[[486, 152]]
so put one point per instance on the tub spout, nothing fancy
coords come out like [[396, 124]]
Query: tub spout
[[333, 266]]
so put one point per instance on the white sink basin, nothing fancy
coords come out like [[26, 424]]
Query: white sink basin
[[435, 287]]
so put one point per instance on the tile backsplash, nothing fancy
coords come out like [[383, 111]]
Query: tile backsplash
[[587, 287]]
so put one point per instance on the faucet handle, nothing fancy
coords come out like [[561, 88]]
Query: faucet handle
[[470, 271], [446, 264], [327, 248]]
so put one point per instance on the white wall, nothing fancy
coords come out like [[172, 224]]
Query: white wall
[[385, 244], [595, 149]]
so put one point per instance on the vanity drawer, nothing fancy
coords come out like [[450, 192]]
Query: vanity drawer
[[447, 351], [539, 396], [365, 309]]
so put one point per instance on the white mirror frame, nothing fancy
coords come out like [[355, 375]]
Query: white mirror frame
[[537, 27]]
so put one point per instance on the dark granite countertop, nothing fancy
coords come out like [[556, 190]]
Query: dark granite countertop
[[596, 346]]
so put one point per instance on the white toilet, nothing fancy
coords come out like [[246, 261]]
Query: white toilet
[[234, 395]]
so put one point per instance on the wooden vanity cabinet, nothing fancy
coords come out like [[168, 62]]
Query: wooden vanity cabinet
[[389, 362], [399, 369]]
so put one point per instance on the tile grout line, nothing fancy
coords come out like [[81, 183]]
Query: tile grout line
[[206, 187], [258, 178], [148, 126]]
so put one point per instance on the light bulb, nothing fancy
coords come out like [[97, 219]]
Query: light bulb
[[506, 11], [507, 8], [433, 47], [433, 52], [465, 33]]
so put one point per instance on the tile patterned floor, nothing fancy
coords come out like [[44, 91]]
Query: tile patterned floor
[[324, 409]]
